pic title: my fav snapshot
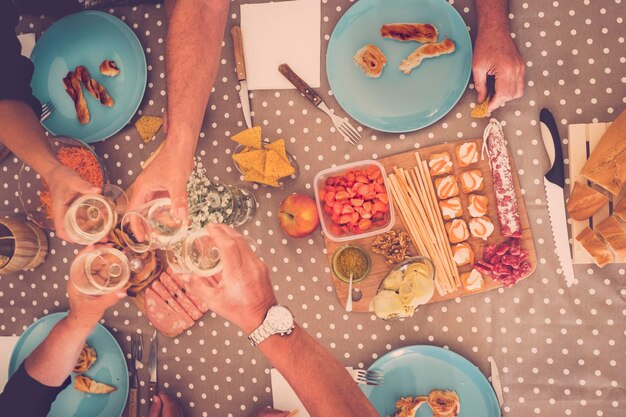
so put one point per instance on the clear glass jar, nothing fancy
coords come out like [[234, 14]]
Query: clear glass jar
[[221, 203]]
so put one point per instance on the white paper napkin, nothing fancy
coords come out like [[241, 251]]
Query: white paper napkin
[[28, 43], [7, 343], [281, 32], [284, 397]]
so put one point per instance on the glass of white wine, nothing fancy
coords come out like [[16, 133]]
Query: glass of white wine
[[91, 217], [100, 271], [152, 226]]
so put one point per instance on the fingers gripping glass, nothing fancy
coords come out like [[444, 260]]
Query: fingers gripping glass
[[100, 271]]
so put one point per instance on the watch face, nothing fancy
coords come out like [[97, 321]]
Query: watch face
[[280, 319]]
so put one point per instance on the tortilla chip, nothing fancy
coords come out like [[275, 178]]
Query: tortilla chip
[[148, 126], [255, 176], [249, 137], [250, 160], [276, 166], [480, 110], [278, 146]]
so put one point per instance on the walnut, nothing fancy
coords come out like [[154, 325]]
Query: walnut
[[393, 245]]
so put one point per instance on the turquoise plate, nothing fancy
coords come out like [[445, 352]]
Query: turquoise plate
[[87, 38], [396, 102], [110, 368], [417, 370]]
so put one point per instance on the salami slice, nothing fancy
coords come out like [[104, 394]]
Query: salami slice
[[160, 289], [180, 296], [163, 317], [186, 289], [503, 186]]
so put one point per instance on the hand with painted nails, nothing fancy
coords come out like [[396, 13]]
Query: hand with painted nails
[[164, 405]]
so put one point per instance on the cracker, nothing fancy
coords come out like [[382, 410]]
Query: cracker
[[249, 137], [148, 126]]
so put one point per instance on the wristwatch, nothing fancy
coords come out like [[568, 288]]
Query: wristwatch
[[278, 320]]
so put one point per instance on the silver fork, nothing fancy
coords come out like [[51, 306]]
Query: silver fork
[[368, 377], [46, 111], [343, 126]]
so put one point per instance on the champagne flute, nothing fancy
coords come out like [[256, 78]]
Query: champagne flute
[[99, 271]]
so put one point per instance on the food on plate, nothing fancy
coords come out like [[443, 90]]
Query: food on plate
[[250, 138], [471, 181], [371, 60], [481, 227], [477, 205], [297, 215], [439, 164], [109, 68], [451, 208], [481, 110], [163, 316], [94, 87], [606, 165], [408, 406], [148, 126], [473, 281], [418, 32], [466, 153], [506, 262], [444, 403], [356, 201], [393, 245], [179, 295], [457, 231], [81, 161], [463, 254], [614, 235], [73, 89], [89, 386], [595, 247], [584, 201], [620, 209], [503, 185], [351, 260], [87, 357], [446, 187], [429, 50], [403, 290]]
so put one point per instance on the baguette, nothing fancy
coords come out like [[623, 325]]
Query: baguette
[[614, 235], [584, 201], [620, 209], [606, 165], [84, 384], [591, 243]]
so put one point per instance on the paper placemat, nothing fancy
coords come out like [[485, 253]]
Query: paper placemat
[[7, 343]]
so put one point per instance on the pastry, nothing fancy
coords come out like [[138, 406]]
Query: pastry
[[466, 153], [408, 406], [473, 281], [457, 231], [429, 50], [584, 201], [462, 254], [471, 181], [418, 32], [614, 235], [371, 60], [446, 187], [477, 205], [84, 384], [451, 208], [73, 89], [94, 87], [620, 209], [481, 227], [439, 164], [87, 357], [444, 403], [592, 244], [606, 165], [109, 68]]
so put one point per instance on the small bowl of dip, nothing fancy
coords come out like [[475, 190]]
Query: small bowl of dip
[[351, 259]]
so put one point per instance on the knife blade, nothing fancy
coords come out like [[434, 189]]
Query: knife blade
[[240, 64], [152, 366], [495, 381], [554, 182]]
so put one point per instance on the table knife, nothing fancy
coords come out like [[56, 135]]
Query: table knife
[[240, 64], [554, 182], [495, 381], [152, 366]]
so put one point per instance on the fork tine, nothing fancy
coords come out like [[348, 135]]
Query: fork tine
[[346, 134], [351, 128], [352, 132]]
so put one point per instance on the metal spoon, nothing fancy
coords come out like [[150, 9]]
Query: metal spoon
[[349, 301]]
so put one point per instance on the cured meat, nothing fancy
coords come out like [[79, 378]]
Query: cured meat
[[429, 50], [503, 186], [180, 296], [186, 289], [163, 317], [419, 32], [158, 287]]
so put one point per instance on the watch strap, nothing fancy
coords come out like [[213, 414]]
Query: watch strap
[[260, 334]]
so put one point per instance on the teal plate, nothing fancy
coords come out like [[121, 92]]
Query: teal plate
[[87, 38], [417, 370], [396, 102], [110, 368]]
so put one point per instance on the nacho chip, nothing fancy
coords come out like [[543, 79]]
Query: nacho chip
[[249, 137], [480, 110], [250, 160], [255, 176], [278, 146], [148, 126], [276, 166]]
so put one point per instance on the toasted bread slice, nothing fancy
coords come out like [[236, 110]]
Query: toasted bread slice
[[88, 357], [87, 385], [584, 201]]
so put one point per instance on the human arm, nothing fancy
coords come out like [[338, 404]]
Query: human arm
[[193, 46], [242, 293], [496, 54]]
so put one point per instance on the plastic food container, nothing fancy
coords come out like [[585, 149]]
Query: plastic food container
[[320, 182]]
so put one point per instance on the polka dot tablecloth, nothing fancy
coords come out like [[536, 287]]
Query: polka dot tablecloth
[[560, 350]]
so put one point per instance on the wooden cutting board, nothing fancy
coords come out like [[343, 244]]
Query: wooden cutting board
[[582, 139], [379, 270]]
